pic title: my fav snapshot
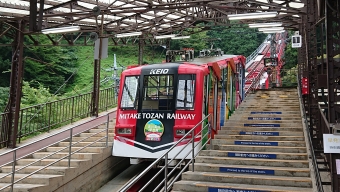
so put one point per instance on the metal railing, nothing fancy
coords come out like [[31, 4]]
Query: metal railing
[[256, 52], [165, 184], [310, 143], [72, 132], [255, 83], [43, 117]]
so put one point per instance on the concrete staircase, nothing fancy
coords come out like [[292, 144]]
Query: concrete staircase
[[261, 148], [89, 168]]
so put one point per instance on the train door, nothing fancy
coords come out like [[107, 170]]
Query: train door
[[154, 128], [224, 109]]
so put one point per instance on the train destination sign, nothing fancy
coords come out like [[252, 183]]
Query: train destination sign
[[266, 112], [247, 170], [261, 125], [156, 116], [264, 118], [260, 143], [215, 189]]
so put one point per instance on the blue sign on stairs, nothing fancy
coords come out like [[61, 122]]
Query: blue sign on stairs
[[247, 170], [252, 155], [266, 112], [259, 143], [264, 118], [214, 189], [260, 133], [261, 125]]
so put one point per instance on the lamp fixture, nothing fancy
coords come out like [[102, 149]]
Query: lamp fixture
[[271, 29], [165, 36], [61, 30], [128, 34], [252, 15], [258, 25], [181, 37]]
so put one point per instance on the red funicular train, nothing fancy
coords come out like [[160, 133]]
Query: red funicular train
[[159, 103]]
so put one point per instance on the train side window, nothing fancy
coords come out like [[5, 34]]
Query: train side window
[[130, 93], [186, 92]]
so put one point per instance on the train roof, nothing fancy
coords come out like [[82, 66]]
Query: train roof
[[205, 60], [164, 66]]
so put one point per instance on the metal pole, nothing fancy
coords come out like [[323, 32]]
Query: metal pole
[[166, 173], [107, 130], [13, 169], [215, 104], [193, 152], [70, 148]]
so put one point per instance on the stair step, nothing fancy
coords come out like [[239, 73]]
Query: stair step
[[84, 150], [283, 117], [111, 130], [90, 139], [247, 179], [255, 170], [40, 179], [265, 120], [242, 128], [44, 162], [48, 170], [202, 186], [96, 134], [82, 144], [260, 148], [262, 124], [255, 155], [253, 161], [261, 137], [20, 187], [265, 133], [40, 155], [258, 142]]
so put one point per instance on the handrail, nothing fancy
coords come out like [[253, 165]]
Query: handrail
[[254, 82], [69, 147], [165, 156], [255, 53], [314, 162]]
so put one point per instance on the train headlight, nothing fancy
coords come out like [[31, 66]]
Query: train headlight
[[180, 132], [124, 131]]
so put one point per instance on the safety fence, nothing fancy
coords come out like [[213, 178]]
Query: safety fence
[[43, 117]]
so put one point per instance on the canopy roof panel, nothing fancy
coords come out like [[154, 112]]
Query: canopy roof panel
[[153, 17]]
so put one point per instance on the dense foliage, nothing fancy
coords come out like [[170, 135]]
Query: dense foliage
[[238, 40]]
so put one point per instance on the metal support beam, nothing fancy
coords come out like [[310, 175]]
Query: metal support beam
[[33, 15], [96, 77], [332, 22], [140, 50], [13, 106]]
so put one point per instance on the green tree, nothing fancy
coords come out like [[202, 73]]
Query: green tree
[[290, 55], [32, 96], [49, 65], [4, 95], [5, 62], [196, 41], [238, 39]]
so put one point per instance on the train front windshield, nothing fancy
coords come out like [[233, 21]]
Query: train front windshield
[[158, 92]]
